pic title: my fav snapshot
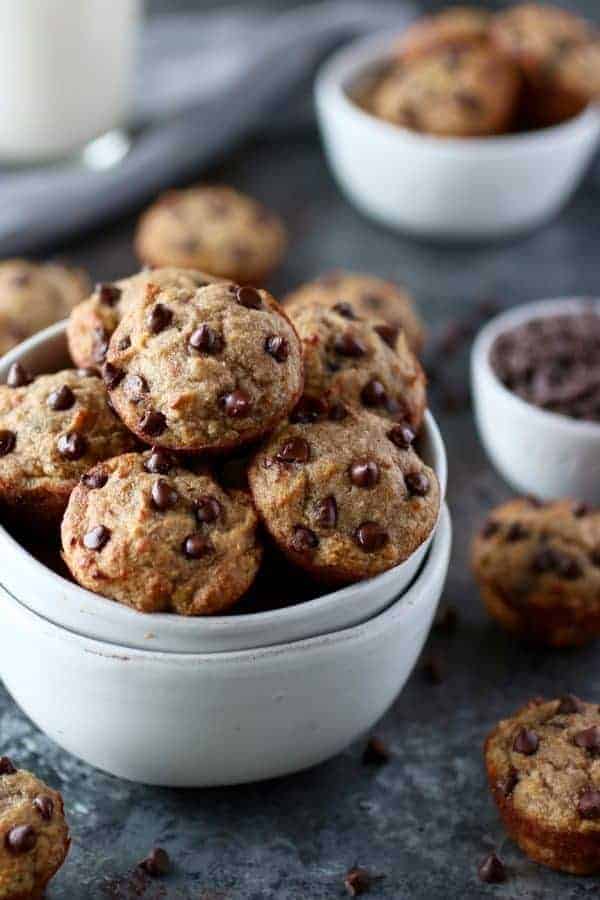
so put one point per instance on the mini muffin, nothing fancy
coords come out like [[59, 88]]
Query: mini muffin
[[543, 769], [538, 568], [93, 321], [343, 493], [574, 81], [34, 835], [52, 430], [35, 295], [366, 297], [467, 93], [147, 533], [454, 29], [353, 361], [213, 228], [201, 370]]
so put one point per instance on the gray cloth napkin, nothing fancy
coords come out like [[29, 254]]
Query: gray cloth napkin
[[205, 82]]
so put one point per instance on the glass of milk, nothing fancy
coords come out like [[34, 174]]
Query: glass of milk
[[66, 79]]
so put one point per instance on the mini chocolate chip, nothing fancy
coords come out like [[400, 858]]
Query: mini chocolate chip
[[308, 410], [417, 484], [153, 423], [595, 558], [348, 344], [156, 863], [196, 546], [72, 445], [544, 560], [344, 309], [402, 436], [507, 785], [326, 512], [570, 704], [296, 450], [112, 376], [208, 509], [492, 870], [567, 567], [8, 440], [94, 480], [364, 474], [516, 532], [100, 344], [433, 670], [236, 404], [18, 376], [6, 766], [97, 538], [374, 393], [61, 399], [304, 540], [588, 739], [159, 462], [337, 412], [135, 386], [370, 537], [20, 839], [580, 510], [108, 293], [468, 101], [490, 528], [159, 318], [588, 806], [526, 742], [277, 347], [124, 343], [249, 297], [45, 806], [163, 495], [357, 881], [375, 753], [388, 334], [206, 340]]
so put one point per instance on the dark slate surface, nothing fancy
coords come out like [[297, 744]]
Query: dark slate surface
[[425, 820]]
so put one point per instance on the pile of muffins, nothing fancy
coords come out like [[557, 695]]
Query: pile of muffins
[[180, 377], [468, 73]]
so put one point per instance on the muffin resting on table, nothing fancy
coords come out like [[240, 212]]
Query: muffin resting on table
[[343, 493], [538, 569], [206, 369], [543, 769], [35, 295], [34, 835], [454, 28], [213, 228], [364, 296], [93, 321], [141, 530], [351, 360], [52, 429]]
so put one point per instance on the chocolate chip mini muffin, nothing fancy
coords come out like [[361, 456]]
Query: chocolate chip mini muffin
[[213, 228], [34, 835], [93, 321], [538, 568], [35, 295], [141, 530], [543, 768], [343, 493], [204, 370], [52, 429], [574, 81], [454, 28], [350, 360], [366, 297], [468, 93]]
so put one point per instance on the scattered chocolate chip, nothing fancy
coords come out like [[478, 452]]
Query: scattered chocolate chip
[[570, 704], [135, 386], [208, 509], [337, 412], [388, 334], [163, 495], [303, 539], [153, 423], [20, 839], [446, 620], [196, 546], [124, 343], [402, 436], [326, 512], [159, 318], [348, 344], [370, 537], [588, 739], [61, 399], [492, 870], [159, 462], [490, 528], [544, 560], [568, 568], [97, 538], [156, 863], [296, 450], [108, 294], [364, 474], [249, 297], [417, 484], [433, 670], [344, 309], [507, 785], [6, 766], [580, 510], [526, 742], [236, 404], [516, 532], [94, 480], [206, 340], [100, 344], [469, 102], [72, 445], [595, 558], [45, 806], [375, 753], [588, 806], [357, 881], [308, 410], [18, 376], [277, 347], [8, 440], [112, 376], [374, 393]]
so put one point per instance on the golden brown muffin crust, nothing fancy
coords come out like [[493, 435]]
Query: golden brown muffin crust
[[452, 28]]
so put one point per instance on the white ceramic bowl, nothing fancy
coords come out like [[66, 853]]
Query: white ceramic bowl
[[446, 188], [222, 718], [84, 612], [537, 452]]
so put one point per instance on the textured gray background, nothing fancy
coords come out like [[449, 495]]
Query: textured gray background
[[424, 821]]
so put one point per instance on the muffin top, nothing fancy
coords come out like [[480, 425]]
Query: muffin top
[[455, 28], [537, 35]]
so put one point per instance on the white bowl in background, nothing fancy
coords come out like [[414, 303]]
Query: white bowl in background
[[192, 720], [445, 188], [87, 613], [536, 451]]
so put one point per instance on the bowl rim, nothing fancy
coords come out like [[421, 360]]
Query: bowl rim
[[435, 567], [505, 321], [353, 59], [93, 604]]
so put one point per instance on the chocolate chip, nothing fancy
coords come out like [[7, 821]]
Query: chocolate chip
[[100, 344], [277, 347], [97, 538], [357, 881], [417, 484], [433, 670], [156, 863], [45, 806], [469, 102], [206, 340], [159, 318], [163, 495], [208, 509], [196, 546], [6, 766], [337, 412], [490, 528], [588, 739], [344, 309], [568, 568], [370, 537], [249, 297], [124, 343], [159, 462], [304, 540], [296, 450], [94, 480], [544, 560], [402, 436], [8, 440], [20, 839], [526, 742], [308, 410], [595, 558], [326, 512], [108, 294], [18, 376], [348, 344], [135, 386], [507, 785], [236, 404], [570, 704], [61, 399], [112, 376], [364, 474], [153, 423], [388, 334], [516, 532], [375, 753], [492, 870], [72, 445], [580, 510], [374, 393], [588, 806]]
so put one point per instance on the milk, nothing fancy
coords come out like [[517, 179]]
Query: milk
[[66, 69]]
